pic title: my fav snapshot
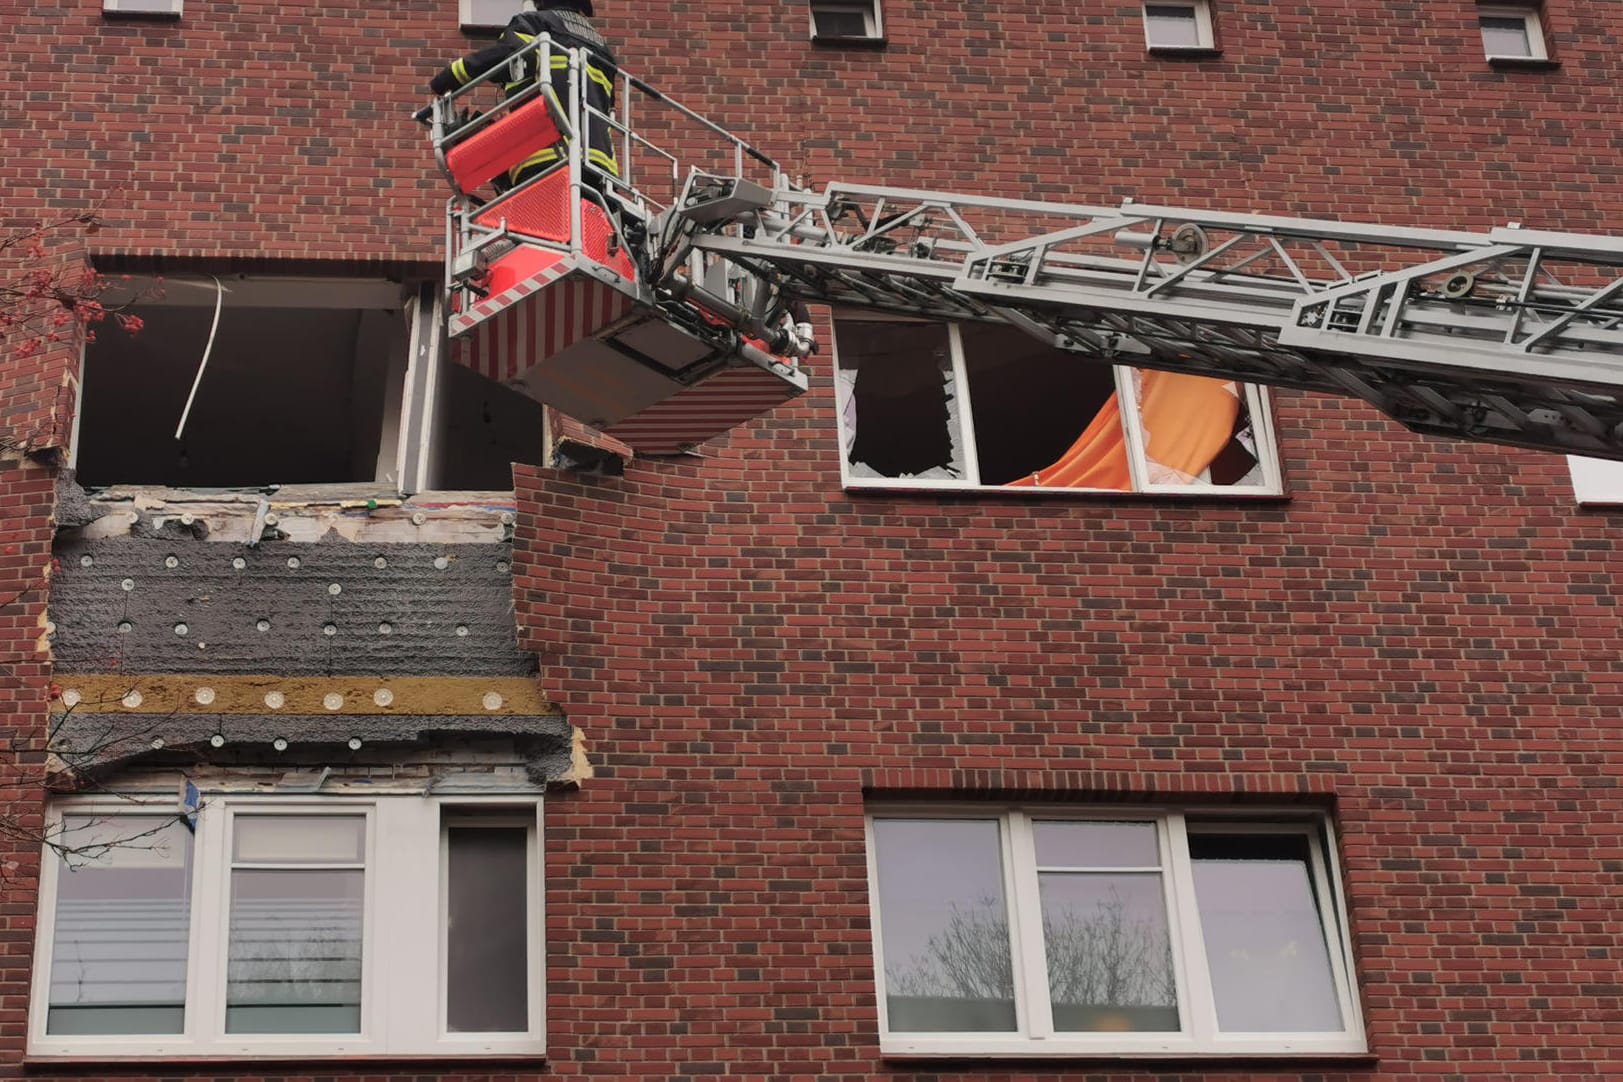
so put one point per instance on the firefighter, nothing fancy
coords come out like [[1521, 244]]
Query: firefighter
[[569, 24]]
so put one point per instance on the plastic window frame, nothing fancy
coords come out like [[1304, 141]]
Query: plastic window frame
[[1596, 482], [1256, 400], [1199, 1037], [466, 16], [1538, 49], [1205, 33], [136, 9], [405, 840], [871, 11]]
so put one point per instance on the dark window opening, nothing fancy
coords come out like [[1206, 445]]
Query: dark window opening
[[845, 22], [1029, 402], [482, 430], [289, 396], [304, 384], [901, 398]]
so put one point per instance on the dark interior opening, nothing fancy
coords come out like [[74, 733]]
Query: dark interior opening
[[900, 396], [289, 396], [1030, 402]]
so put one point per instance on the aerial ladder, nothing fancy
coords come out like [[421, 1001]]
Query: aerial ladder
[[664, 305]]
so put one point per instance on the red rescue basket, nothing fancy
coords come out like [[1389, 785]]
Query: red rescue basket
[[555, 289]]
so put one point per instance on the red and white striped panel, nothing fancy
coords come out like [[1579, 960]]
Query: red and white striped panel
[[705, 410], [544, 267], [538, 323]]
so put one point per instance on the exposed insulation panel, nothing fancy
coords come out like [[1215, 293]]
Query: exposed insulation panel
[[167, 605]]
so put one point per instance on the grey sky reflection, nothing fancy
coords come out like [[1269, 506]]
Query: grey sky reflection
[[1265, 947], [925, 869]]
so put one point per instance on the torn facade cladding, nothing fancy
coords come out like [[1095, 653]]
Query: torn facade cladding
[[169, 627]]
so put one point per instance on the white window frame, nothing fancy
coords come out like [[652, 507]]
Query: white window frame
[[1199, 1036], [404, 917], [872, 17], [1256, 400], [1202, 11], [467, 20], [160, 9], [1537, 48], [1596, 481]]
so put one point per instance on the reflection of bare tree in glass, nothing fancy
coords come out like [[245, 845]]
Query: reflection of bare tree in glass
[[1102, 956], [296, 961], [967, 959]]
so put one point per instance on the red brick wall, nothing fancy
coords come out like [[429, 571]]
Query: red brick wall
[[1423, 635], [26, 493]]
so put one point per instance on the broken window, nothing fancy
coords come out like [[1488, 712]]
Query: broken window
[[293, 381], [276, 927], [986, 405]]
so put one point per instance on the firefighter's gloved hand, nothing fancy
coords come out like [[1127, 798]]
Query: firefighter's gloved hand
[[425, 115]]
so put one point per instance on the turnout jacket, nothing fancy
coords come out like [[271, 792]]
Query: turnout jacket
[[569, 29]]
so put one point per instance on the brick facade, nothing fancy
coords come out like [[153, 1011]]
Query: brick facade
[[1421, 636]]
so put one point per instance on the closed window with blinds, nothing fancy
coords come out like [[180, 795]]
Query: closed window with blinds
[[297, 892], [292, 927], [122, 922]]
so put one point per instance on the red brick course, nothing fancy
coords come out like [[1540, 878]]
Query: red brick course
[[1422, 636]]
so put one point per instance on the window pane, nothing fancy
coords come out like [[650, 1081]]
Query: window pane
[[294, 957], [900, 410], [299, 839], [1197, 430], [489, 12], [1096, 845], [1171, 25], [836, 22], [487, 940], [1038, 410], [945, 926], [123, 911], [1109, 956], [1265, 942], [1505, 35]]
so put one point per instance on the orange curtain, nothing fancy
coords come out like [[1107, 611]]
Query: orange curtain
[[1098, 458], [1187, 420]]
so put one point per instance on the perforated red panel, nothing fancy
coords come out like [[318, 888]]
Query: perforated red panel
[[496, 149], [540, 210], [596, 232]]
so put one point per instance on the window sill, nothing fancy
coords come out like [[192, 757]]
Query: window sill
[[1185, 52], [71, 1064], [1215, 495], [141, 16], [1523, 63], [850, 43], [1265, 1060]]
